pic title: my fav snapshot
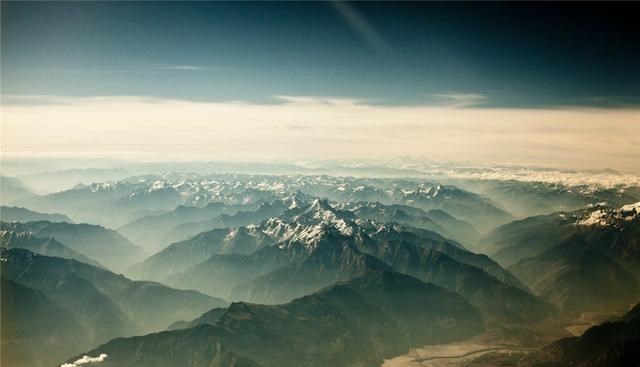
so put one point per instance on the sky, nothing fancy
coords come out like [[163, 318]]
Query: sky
[[541, 84]]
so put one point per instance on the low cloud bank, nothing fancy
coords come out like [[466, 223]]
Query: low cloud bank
[[308, 127]]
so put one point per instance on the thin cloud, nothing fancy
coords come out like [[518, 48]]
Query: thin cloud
[[191, 68], [364, 29], [335, 101], [86, 71], [460, 99], [182, 68], [134, 68]]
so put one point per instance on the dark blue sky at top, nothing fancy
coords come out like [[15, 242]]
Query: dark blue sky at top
[[405, 53]]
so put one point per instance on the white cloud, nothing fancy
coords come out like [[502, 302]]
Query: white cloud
[[591, 178], [317, 128], [86, 360], [315, 100]]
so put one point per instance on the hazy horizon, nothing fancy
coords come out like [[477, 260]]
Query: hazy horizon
[[312, 128]]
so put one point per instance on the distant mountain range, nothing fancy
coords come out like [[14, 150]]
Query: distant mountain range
[[55, 181], [265, 210], [12, 189], [116, 204], [435, 220], [104, 245], [153, 231], [482, 213], [526, 199], [105, 204], [47, 246], [17, 214]]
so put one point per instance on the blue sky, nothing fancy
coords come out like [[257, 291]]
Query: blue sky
[[541, 84], [404, 54]]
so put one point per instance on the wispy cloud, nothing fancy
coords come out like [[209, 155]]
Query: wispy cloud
[[131, 68], [86, 360], [85, 71], [315, 100], [181, 68], [460, 99], [362, 27]]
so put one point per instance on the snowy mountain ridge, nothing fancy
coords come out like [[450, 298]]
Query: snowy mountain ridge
[[603, 216]]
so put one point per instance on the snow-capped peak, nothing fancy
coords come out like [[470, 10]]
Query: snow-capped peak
[[611, 216], [635, 207]]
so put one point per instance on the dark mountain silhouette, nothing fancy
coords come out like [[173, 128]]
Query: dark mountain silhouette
[[575, 276], [107, 304], [35, 330], [358, 322]]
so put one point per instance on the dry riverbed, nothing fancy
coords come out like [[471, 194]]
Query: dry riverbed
[[449, 355]]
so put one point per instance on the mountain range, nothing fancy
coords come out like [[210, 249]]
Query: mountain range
[[47, 246], [104, 303], [104, 245], [152, 231], [316, 245], [13, 189], [17, 214], [116, 204], [575, 276], [579, 261], [314, 270], [358, 322], [35, 330], [527, 199], [613, 231], [152, 305]]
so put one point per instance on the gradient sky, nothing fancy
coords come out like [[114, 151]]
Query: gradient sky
[[67, 66]]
